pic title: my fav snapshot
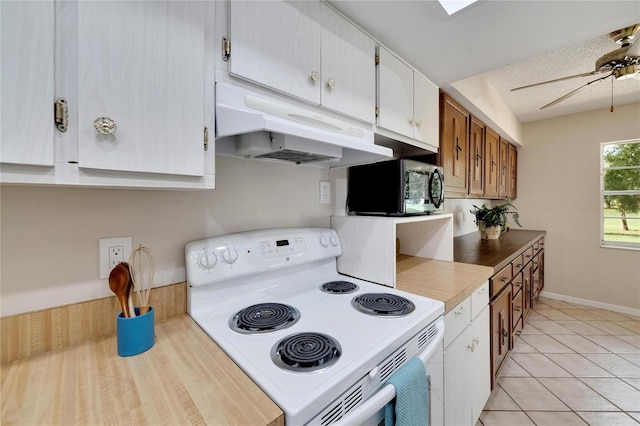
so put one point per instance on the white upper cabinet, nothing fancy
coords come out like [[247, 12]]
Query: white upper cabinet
[[348, 68], [277, 44], [27, 82], [139, 66], [307, 50], [407, 102]]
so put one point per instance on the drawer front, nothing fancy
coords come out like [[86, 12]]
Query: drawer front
[[538, 245], [479, 300], [517, 282], [456, 320], [527, 255], [518, 264], [500, 280]]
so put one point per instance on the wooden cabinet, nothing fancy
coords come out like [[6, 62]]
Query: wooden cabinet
[[503, 168], [27, 82], [500, 329], [144, 77], [454, 146], [512, 189], [467, 374], [476, 158], [407, 101], [307, 50], [491, 166]]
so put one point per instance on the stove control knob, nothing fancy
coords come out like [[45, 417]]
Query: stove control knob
[[207, 259], [229, 255], [334, 240], [324, 241]]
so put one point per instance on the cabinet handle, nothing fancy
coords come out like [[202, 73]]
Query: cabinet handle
[[503, 334], [460, 312], [411, 122], [476, 340], [61, 114], [517, 308], [458, 148], [482, 291], [331, 83], [105, 125], [418, 124], [314, 76], [471, 347]]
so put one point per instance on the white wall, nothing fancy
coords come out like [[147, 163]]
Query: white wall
[[558, 190], [49, 235]]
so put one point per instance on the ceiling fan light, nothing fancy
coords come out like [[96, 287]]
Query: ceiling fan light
[[626, 72]]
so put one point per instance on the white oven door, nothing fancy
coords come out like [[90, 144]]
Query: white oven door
[[371, 412]]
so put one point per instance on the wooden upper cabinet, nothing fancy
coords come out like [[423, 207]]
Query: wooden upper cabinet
[[454, 145], [491, 153], [476, 158], [503, 166], [512, 190]]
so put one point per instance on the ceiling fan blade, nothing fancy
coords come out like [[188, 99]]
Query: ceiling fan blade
[[573, 92], [586, 74]]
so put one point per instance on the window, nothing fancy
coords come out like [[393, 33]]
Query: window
[[620, 194]]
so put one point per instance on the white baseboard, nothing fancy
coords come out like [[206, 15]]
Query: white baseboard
[[594, 304]]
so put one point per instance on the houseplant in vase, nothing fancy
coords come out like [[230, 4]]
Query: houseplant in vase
[[492, 221]]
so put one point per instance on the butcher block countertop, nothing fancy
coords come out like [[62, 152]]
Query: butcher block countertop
[[449, 282], [184, 378]]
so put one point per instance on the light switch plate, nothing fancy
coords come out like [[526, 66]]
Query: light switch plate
[[325, 192]]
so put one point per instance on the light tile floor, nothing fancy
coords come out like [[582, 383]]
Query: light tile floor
[[572, 365]]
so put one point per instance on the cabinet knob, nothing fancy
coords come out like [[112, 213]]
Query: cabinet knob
[[105, 125], [314, 76], [418, 124], [331, 83]]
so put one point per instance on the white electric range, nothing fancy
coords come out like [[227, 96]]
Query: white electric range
[[319, 343]]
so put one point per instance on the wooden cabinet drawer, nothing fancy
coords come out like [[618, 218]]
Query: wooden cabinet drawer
[[538, 245], [516, 308], [518, 264], [527, 255], [479, 300], [517, 283], [456, 320], [500, 280]]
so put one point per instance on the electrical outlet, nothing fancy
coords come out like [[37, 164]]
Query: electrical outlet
[[112, 252], [325, 192]]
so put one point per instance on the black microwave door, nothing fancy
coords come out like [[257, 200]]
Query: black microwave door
[[436, 188]]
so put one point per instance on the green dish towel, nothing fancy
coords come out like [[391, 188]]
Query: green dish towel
[[411, 407]]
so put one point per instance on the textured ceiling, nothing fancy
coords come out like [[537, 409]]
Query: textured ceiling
[[511, 42]]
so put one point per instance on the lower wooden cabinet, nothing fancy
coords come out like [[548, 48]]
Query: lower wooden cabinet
[[467, 374], [500, 329]]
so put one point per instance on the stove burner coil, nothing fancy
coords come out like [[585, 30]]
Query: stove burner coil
[[339, 287], [383, 304], [264, 318], [305, 352]]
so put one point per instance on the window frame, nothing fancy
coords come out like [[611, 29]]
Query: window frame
[[615, 244]]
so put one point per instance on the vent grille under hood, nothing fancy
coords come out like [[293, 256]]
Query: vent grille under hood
[[270, 128]]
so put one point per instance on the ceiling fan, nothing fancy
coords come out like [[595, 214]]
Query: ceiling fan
[[621, 63]]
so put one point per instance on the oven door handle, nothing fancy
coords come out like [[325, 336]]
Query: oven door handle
[[385, 395]]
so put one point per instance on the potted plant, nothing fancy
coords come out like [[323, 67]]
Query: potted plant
[[492, 221]]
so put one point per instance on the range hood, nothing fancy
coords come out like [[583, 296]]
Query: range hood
[[263, 127]]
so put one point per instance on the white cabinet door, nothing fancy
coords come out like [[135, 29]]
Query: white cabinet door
[[467, 373], [426, 110], [395, 94], [480, 363], [26, 118], [277, 44], [348, 76], [142, 65]]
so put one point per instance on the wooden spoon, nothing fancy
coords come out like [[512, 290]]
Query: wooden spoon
[[119, 284]]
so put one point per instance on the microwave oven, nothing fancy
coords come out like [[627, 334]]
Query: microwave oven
[[399, 187]]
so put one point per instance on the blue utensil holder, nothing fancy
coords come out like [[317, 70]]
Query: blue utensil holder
[[136, 334]]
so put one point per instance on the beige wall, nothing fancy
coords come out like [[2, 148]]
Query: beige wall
[[49, 244], [558, 187]]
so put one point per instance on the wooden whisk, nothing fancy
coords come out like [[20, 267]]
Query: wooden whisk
[[142, 266]]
